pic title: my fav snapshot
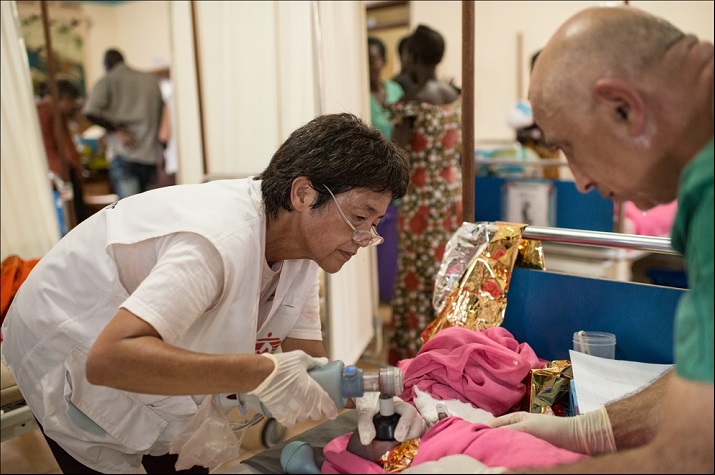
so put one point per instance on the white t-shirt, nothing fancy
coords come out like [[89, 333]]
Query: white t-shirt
[[187, 259]]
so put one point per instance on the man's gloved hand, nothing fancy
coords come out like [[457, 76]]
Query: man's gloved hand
[[410, 425], [589, 433], [458, 463], [290, 394]]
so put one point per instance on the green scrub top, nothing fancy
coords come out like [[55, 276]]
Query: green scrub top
[[692, 236]]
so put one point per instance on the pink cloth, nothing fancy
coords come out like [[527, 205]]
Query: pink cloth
[[486, 368], [499, 447], [656, 221]]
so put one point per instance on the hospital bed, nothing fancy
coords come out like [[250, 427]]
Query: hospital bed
[[544, 309]]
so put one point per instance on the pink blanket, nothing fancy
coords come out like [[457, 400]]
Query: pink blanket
[[486, 368], [499, 447], [656, 222]]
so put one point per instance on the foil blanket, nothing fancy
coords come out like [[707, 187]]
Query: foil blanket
[[473, 279]]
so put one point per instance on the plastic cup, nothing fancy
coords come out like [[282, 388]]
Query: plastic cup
[[595, 343]]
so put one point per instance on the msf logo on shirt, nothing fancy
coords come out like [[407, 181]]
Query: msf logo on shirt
[[267, 344]]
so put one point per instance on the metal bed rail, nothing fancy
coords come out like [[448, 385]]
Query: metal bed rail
[[581, 237], [542, 162]]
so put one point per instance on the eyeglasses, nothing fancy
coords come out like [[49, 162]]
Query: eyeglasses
[[362, 237]]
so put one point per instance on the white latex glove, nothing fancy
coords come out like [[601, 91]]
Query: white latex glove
[[458, 463], [290, 394], [589, 433], [410, 425]]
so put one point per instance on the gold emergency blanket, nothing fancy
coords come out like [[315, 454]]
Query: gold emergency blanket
[[549, 392], [483, 255], [400, 457]]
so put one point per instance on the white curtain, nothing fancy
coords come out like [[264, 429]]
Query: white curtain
[[344, 87], [186, 102], [267, 68], [29, 225]]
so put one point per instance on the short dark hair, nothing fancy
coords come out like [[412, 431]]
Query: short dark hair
[[43, 89], [374, 41], [402, 45], [112, 57], [337, 150], [67, 89], [426, 45]]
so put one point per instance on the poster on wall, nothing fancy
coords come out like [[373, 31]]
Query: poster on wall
[[68, 30], [530, 203]]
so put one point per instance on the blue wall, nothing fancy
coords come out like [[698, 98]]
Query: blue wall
[[574, 210]]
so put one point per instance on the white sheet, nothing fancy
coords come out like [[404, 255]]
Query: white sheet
[[599, 381]]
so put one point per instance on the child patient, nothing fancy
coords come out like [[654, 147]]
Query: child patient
[[459, 380]]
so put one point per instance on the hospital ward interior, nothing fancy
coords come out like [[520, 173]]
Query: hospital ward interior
[[554, 264]]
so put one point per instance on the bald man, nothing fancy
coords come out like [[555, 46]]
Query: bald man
[[628, 98]]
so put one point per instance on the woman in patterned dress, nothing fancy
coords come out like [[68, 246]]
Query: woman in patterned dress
[[428, 125]]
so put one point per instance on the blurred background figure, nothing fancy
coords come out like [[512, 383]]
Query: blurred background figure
[[58, 142], [428, 125], [383, 93], [168, 163], [404, 77], [128, 104]]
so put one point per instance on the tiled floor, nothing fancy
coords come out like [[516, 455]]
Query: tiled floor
[[29, 453]]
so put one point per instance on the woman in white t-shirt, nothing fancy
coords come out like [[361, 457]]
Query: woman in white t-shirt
[[166, 296]]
